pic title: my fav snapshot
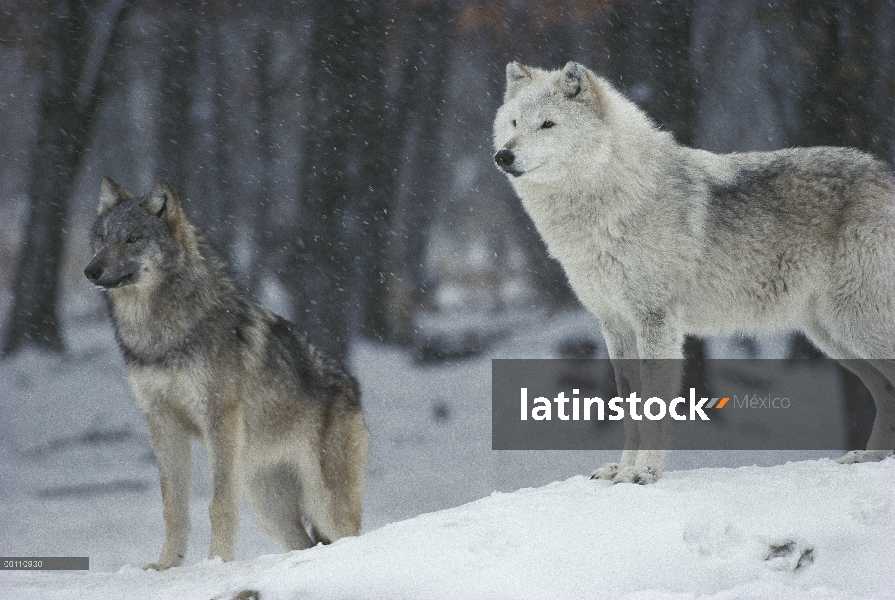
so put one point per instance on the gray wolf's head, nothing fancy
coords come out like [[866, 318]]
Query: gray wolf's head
[[552, 123], [132, 237]]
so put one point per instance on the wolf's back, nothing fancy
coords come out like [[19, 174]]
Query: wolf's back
[[319, 376]]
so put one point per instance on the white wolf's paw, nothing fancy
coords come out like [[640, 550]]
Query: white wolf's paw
[[641, 475], [607, 472], [860, 456], [162, 564]]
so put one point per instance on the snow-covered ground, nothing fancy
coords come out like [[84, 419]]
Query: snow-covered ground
[[77, 478]]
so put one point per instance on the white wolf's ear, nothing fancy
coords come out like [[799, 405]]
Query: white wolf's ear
[[577, 82], [162, 202], [518, 76], [573, 80], [110, 195]]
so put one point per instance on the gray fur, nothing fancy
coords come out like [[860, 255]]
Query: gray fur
[[659, 240], [280, 421]]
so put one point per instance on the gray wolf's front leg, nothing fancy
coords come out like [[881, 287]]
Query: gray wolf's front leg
[[171, 444], [221, 443]]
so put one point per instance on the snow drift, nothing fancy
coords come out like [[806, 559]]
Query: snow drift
[[812, 529]]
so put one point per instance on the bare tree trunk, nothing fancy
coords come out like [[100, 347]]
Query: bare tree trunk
[[383, 128], [651, 61], [175, 127], [264, 219], [427, 72], [848, 56], [322, 263], [73, 86]]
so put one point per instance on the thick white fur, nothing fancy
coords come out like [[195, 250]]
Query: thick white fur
[[659, 240]]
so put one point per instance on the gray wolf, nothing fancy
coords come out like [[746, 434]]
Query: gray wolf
[[279, 421], [659, 240]]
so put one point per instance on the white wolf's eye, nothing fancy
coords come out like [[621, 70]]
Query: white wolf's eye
[[547, 124], [514, 122]]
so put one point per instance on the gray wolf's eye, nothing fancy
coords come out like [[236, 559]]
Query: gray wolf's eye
[[133, 238], [547, 124]]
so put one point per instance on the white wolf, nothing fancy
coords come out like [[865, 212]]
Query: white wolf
[[659, 240]]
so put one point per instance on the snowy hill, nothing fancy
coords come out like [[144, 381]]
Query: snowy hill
[[811, 529], [77, 478]]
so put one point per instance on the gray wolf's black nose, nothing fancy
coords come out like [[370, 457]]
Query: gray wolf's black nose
[[504, 158], [93, 271]]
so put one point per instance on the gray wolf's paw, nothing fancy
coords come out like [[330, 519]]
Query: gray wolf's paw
[[789, 557], [607, 472], [860, 456], [641, 475]]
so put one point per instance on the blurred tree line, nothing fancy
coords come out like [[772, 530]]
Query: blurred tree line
[[338, 152]]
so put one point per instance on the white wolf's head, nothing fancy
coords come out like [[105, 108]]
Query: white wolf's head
[[552, 124]]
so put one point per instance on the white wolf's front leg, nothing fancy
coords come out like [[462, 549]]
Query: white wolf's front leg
[[646, 441], [660, 348], [647, 468], [171, 444], [622, 347], [610, 471]]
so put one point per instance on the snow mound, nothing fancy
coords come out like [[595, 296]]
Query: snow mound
[[812, 529]]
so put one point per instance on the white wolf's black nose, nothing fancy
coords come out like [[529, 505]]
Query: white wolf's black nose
[[504, 158]]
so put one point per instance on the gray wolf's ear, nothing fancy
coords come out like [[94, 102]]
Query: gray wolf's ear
[[163, 203], [110, 195], [518, 76]]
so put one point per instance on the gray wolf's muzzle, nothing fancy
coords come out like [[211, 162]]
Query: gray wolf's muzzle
[[505, 159], [100, 277]]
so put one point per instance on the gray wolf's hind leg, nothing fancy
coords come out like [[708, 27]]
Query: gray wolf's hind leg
[[334, 503], [275, 498]]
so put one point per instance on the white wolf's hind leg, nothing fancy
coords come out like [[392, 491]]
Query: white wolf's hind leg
[[878, 376], [859, 456]]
